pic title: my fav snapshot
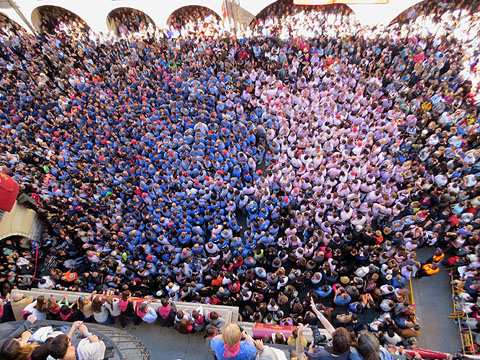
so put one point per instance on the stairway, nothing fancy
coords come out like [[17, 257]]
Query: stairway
[[20, 221]]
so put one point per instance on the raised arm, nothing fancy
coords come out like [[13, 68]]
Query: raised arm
[[326, 324], [76, 325], [299, 349], [20, 331]]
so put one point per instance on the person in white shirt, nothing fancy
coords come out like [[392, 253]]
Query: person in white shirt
[[46, 283], [112, 304], [90, 347], [37, 308]]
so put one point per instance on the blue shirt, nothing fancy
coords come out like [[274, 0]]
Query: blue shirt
[[247, 350]]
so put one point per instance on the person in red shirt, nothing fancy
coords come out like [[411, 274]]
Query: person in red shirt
[[454, 220], [420, 57]]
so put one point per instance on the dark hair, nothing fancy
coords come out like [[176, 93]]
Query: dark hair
[[65, 309], [341, 340], [368, 346], [97, 305], [125, 295], [26, 314], [59, 346], [184, 325], [213, 315], [12, 350]]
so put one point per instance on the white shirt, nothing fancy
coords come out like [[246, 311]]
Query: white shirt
[[48, 284], [87, 350], [31, 309], [114, 308]]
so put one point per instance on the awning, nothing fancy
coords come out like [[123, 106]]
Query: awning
[[8, 192]]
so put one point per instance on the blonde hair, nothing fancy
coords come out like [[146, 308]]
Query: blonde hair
[[231, 335], [81, 302]]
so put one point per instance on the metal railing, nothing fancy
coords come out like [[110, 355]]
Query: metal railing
[[120, 344], [466, 337], [411, 298]]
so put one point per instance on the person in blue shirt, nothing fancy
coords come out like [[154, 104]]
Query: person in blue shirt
[[324, 291], [146, 313], [341, 297], [233, 345]]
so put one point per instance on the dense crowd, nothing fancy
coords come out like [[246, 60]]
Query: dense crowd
[[127, 21], [196, 21], [306, 159]]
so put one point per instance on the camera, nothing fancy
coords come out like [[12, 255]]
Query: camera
[[318, 338]]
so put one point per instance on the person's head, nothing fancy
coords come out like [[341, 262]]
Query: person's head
[[97, 305], [144, 308], [126, 294], [210, 332], [61, 346], [65, 310], [185, 326], [231, 336], [17, 296], [341, 340], [109, 300], [213, 315], [80, 302], [368, 346], [41, 304], [279, 338], [52, 304], [12, 349]]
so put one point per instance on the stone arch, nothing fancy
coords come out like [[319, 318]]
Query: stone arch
[[15, 237], [6, 19], [115, 17], [403, 15], [281, 5], [42, 24], [184, 10]]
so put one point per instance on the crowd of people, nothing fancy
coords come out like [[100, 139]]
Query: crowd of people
[[196, 20], [54, 20], [127, 21], [236, 344], [303, 159]]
